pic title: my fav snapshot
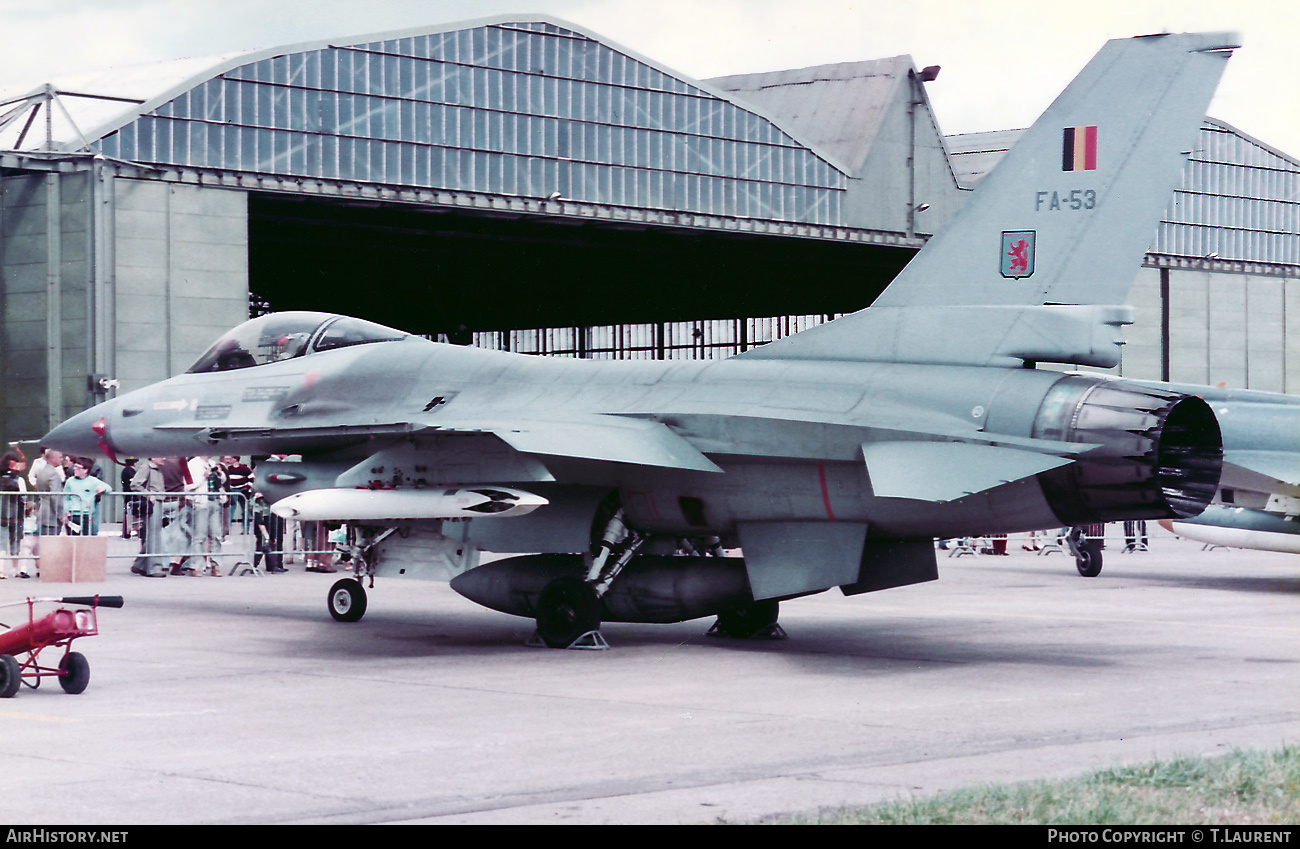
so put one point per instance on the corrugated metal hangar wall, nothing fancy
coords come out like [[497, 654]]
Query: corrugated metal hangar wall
[[527, 184]]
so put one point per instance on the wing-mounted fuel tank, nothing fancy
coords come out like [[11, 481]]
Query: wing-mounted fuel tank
[[1159, 452]]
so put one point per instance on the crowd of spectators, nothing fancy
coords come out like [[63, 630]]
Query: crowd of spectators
[[182, 510]]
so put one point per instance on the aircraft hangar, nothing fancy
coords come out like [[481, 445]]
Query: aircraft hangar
[[527, 184]]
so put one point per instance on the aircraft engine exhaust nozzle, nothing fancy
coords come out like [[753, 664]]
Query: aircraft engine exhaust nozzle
[[1159, 454], [650, 589]]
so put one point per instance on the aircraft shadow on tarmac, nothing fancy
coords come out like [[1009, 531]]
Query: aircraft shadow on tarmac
[[853, 643], [837, 647]]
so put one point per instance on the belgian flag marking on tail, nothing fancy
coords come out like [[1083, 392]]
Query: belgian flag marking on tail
[[1079, 150]]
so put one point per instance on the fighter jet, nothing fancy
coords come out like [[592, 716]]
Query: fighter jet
[[831, 458]]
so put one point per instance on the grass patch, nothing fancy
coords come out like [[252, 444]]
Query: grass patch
[[1243, 788]]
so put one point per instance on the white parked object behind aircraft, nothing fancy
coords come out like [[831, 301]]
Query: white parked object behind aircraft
[[832, 458], [1257, 505]]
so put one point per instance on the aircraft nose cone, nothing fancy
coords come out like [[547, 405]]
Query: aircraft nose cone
[[83, 434]]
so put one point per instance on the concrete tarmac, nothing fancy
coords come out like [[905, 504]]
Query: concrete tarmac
[[239, 700]]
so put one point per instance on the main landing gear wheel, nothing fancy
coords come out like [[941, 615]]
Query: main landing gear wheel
[[753, 619], [74, 673], [568, 608], [1088, 560], [347, 600]]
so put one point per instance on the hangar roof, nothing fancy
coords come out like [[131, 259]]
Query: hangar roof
[[839, 108], [529, 107], [975, 154], [85, 103]]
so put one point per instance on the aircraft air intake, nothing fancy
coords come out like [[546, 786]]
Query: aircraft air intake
[[1159, 456]]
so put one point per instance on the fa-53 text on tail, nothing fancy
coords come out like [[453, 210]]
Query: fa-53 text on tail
[[831, 458]]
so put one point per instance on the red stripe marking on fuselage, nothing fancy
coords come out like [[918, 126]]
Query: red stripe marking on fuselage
[[826, 493]]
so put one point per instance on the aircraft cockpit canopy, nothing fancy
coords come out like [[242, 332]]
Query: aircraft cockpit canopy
[[285, 335]]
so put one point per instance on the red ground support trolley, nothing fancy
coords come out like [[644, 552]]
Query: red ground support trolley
[[58, 628]]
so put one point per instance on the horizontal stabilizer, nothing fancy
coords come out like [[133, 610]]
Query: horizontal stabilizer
[[1280, 470], [946, 471]]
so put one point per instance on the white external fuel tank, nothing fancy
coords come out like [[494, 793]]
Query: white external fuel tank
[[450, 502]]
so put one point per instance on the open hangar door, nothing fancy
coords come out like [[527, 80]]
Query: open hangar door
[[434, 270]]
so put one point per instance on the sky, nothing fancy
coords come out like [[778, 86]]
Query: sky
[[1003, 61]]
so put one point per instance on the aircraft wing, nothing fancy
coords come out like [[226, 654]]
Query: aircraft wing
[[1262, 470]]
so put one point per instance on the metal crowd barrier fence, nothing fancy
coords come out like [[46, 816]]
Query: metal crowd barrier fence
[[204, 532], [1126, 537]]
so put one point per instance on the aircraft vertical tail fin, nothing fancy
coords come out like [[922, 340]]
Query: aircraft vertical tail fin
[[1036, 263]]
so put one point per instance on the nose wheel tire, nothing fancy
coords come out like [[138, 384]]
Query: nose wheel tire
[[1088, 561], [567, 609], [347, 600]]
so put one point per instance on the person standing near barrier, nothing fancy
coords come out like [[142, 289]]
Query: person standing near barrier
[[155, 477], [207, 512], [239, 482], [130, 503], [49, 478], [269, 530], [12, 511], [34, 469], [82, 503]]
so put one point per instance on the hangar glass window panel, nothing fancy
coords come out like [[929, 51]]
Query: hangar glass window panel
[[487, 103]]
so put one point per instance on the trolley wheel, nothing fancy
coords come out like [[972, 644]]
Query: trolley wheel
[[347, 600], [74, 673], [11, 676]]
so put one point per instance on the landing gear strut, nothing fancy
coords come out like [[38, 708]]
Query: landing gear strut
[[568, 610], [347, 598]]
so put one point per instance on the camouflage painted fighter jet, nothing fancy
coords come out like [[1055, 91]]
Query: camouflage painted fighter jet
[[831, 458]]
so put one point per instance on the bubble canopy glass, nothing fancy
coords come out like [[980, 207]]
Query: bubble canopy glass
[[285, 335]]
